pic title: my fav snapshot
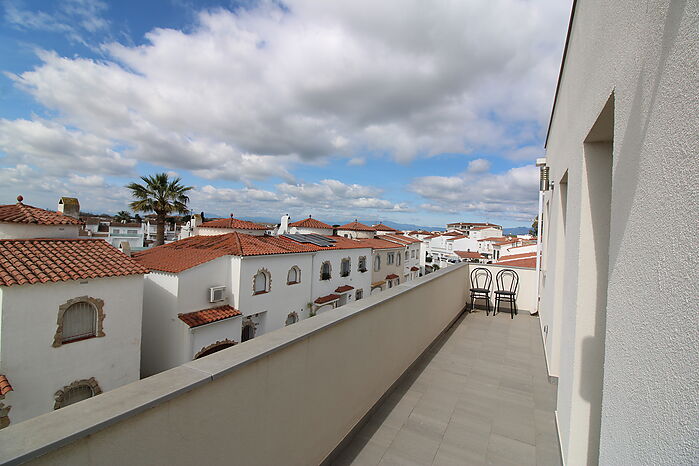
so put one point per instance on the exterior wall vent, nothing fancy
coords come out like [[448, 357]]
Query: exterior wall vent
[[216, 293]]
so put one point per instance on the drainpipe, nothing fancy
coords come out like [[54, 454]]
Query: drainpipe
[[543, 186]]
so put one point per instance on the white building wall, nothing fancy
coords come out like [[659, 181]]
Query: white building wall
[[356, 234], [37, 370], [25, 230], [356, 279], [627, 387], [206, 335], [164, 337], [311, 231], [282, 299]]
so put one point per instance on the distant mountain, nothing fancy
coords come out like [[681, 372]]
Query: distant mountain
[[516, 231]]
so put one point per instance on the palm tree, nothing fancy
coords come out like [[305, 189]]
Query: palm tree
[[122, 217], [161, 195]]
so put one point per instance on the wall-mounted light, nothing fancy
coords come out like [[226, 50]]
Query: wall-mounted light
[[544, 177]]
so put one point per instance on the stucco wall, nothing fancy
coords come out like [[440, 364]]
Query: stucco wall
[[356, 279], [22, 230], [37, 370], [288, 397], [526, 295], [645, 53]]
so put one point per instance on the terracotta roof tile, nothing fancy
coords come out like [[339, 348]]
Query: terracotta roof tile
[[327, 299], [356, 226], [518, 256], [5, 386], [401, 239], [377, 243], [391, 276], [453, 237], [414, 269], [22, 213], [207, 316], [196, 250], [25, 261], [343, 289], [311, 223], [382, 227], [528, 262], [469, 254], [233, 223], [378, 284]]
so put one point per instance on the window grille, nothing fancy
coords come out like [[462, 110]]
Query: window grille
[[79, 321]]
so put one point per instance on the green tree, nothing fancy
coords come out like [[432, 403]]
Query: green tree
[[161, 195], [122, 217], [535, 227]]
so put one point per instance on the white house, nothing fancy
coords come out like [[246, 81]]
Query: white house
[[207, 293], [382, 229], [150, 229], [71, 322], [24, 221], [412, 253], [618, 300], [131, 232], [310, 226], [222, 226], [356, 230]]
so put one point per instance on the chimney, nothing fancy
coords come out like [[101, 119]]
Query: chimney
[[335, 229], [69, 206], [284, 225], [195, 221], [125, 248]]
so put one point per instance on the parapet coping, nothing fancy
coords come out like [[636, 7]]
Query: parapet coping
[[38, 436]]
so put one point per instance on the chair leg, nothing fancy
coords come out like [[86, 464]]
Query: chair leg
[[497, 304], [512, 309], [487, 305], [514, 301], [472, 299]]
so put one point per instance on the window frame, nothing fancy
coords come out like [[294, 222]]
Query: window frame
[[60, 395], [323, 275], [345, 271], [377, 263], [362, 260], [297, 270], [268, 282], [97, 304]]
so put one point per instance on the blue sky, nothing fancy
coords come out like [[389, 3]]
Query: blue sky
[[336, 109]]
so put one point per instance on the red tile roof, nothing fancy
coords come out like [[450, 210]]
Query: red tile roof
[[382, 227], [391, 276], [377, 243], [529, 262], [343, 289], [452, 238], [207, 316], [124, 224], [414, 269], [452, 233], [233, 223], [420, 232], [22, 213], [5, 386], [518, 256], [25, 261], [356, 226], [519, 260], [469, 254], [499, 239], [327, 299], [196, 250], [401, 239], [311, 223]]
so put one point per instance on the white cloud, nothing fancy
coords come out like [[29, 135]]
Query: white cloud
[[329, 198], [478, 166], [318, 79], [356, 161], [510, 195]]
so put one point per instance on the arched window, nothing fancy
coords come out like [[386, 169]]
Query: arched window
[[248, 332], [398, 259], [76, 391], [213, 348], [294, 276], [261, 282], [362, 264], [292, 318], [345, 267], [377, 263], [325, 271], [78, 319]]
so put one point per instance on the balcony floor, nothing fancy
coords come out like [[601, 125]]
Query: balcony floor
[[479, 395]]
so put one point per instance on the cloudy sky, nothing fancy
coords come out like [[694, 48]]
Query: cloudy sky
[[411, 111]]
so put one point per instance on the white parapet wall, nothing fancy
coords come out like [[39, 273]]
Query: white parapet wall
[[288, 397]]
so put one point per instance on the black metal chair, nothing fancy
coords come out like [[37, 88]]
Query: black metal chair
[[506, 287], [481, 280]]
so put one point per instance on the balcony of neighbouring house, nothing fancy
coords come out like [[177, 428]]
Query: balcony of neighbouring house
[[404, 376]]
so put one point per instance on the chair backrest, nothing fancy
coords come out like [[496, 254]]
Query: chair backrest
[[481, 278], [507, 280]]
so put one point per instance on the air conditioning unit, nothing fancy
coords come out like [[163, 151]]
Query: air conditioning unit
[[216, 293]]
